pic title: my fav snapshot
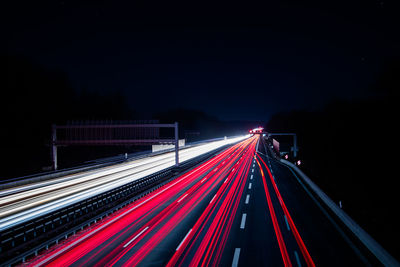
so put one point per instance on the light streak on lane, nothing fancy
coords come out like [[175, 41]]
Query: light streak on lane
[[293, 227], [102, 232], [278, 233], [142, 207], [172, 222], [125, 221], [211, 230], [217, 233], [31, 203]]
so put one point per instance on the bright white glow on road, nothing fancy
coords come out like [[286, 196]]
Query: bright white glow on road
[[31, 202]]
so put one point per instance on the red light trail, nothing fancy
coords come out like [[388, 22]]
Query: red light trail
[[169, 205], [281, 242], [296, 234], [202, 204], [216, 221]]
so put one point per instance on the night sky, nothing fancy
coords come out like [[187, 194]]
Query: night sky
[[243, 61]]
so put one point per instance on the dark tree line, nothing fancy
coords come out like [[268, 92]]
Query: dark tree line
[[33, 98], [351, 150]]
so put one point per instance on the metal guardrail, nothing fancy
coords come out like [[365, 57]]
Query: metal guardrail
[[374, 247], [26, 240], [38, 231], [358, 232]]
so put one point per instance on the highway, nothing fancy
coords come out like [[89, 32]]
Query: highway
[[24, 203], [240, 208]]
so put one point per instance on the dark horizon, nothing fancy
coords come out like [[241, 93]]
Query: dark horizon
[[277, 57]]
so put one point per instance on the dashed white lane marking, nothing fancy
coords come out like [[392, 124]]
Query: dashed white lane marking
[[182, 198], [251, 177], [107, 224], [183, 240], [203, 180], [249, 185], [213, 198], [136, 236], [247, 199], [296, 255], [243, 222], [252, 170], [235, 261], [226, 180], [287, 224]]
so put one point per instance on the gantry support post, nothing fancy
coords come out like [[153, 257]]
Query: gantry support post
[[176, 145], [54, 146]]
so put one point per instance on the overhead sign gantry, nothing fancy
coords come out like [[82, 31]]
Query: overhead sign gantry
[[110, 134]]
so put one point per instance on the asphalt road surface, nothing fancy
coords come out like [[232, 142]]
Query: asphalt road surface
[[240, 208]]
